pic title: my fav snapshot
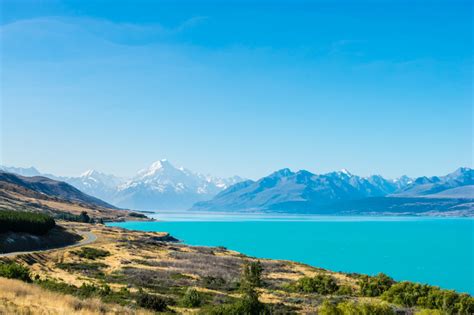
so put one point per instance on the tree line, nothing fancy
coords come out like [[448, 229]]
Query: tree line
[[28, 222]]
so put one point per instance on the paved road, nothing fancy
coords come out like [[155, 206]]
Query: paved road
[[89, 237]]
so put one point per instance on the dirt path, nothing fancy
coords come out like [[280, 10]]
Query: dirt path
[[89, 238]]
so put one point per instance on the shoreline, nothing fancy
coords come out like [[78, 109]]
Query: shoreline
[[298, 251]]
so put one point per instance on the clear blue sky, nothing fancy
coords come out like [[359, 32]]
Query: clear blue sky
[[245, 87]]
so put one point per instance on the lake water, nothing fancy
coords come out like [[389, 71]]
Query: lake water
[[437, 251]]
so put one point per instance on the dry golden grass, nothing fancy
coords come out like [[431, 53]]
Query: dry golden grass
[[17, 297], [143, 263], [24, 199]]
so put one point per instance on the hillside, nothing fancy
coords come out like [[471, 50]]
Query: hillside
[[145, 270], [345, 193], [41, 194]]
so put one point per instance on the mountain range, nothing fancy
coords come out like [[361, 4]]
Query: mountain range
[[161, 186], [344, 193]]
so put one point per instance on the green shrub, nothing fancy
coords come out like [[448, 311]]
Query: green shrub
[[321, 284], [91, 253], [191, 298], [344, 290], [351, 308], [248, 305], [28, 222], [151, 302], [374, 286], [251, 275], [425, 296], [215, 283], [429, 312], [103, 292], [13, 270], [84, 217]]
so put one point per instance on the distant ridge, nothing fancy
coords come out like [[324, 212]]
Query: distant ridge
[[49, 187], [342, 192], [56, 198]]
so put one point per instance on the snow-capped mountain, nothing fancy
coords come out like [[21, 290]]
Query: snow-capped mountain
[[164, 186], [161, 186], [442, 185], [285, 187], [97, 184], [304, 191], [23, 171]]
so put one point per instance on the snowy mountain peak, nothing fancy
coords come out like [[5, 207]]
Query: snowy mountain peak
[[284, 172], [90, 173], [160, 164], [156, 167], [345, 172], [30, 171]]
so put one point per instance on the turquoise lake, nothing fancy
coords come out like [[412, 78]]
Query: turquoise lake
[[427, 250]]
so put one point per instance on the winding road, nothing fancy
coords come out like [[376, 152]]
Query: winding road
[[88, 238]]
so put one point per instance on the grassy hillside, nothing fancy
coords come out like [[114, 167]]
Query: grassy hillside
[[141, 270], [58, 199], [49, 187], [17, 297]]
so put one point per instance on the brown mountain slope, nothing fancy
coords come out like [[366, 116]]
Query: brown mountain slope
[[41, 194]]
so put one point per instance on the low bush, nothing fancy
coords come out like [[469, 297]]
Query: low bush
[[83, 217], [344, 290], [248, 305], [84, 291], [151, 302], [425, 296], [28, 222], [13, 270], [321, 284], [91, 253], [192, 298], [350, 308], [88, 269], [374, 286]]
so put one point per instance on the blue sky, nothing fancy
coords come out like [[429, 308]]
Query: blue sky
[[237, 87]]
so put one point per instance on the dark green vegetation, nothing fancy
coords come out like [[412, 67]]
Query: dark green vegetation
[[249, 302], [137, 215], [409, 294], [321, 284], [93, 269], [13, 270], [251, 275], [374, 286], [192, 298], [28, 222], [83, 217], [91, 253], [350, 308], [413, 294], [151, 302]]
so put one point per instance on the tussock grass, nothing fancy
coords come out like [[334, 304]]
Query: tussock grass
[[17, 297]]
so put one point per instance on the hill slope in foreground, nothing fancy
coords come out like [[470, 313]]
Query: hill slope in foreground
[[146, 272]]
